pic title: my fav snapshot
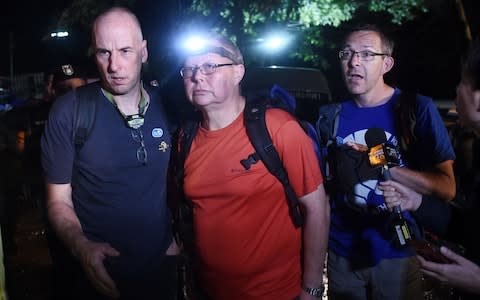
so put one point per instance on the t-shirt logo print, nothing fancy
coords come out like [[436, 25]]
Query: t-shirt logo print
[[366, 196]]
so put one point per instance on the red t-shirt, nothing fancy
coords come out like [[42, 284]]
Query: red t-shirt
[[247, 244]]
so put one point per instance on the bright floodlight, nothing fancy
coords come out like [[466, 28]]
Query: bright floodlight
[[59, 34], [275, 42]]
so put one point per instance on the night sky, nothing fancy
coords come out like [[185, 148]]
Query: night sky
[[428, 50]]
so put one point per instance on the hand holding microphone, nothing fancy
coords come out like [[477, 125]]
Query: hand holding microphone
[[380, 152], [384, 155], [396, 193]]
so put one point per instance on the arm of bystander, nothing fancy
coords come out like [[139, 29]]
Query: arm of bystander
[[461, 272]]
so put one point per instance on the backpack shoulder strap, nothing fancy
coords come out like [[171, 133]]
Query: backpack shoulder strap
[[327, 126], [256, 127], [327, 123], [85, 113], [405, 120], [182, 208], [182, 143]]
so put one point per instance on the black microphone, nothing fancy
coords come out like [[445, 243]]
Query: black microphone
[[382, 154], [375, 136]]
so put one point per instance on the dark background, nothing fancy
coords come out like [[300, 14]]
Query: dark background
[[427, 56], [427, 59]]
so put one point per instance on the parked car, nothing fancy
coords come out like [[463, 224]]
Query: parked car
[[309, 86]]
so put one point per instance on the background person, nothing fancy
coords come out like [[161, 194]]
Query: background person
[[108, 201], [61, 80], [461, 272]]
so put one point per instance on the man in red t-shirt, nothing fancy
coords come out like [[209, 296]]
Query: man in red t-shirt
[[246, 243]]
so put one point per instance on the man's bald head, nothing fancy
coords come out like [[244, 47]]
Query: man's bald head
[[120, 50], [115, 14]]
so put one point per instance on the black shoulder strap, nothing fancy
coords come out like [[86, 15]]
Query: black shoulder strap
[[327, 123], [255, 123], [182, 208], [85, 113], [405, 121], [182, 143], [327, 126]]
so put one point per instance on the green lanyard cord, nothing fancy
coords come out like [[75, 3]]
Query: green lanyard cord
[[134, 121]]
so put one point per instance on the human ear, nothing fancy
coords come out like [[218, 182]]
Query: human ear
[[239, 72], [144, 51], [388, 63]]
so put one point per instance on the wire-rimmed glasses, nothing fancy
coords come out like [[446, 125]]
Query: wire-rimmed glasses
[[205, 69], [364, 55]]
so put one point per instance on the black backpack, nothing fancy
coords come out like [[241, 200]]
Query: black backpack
[[256, 127], [85, 113], [254, 118], [327, 125], [86, 97], [405, 122]]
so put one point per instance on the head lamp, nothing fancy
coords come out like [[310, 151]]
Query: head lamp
[[218, 50]]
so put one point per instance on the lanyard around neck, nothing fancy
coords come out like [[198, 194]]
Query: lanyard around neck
[[134, 121]]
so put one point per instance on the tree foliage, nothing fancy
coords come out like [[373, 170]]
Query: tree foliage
[[82, 12], [245, 20]]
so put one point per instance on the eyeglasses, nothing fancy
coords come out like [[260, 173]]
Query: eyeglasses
[[205, 69], [365, 55], [137, 136]]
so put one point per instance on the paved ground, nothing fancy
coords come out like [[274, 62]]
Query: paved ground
[[29, 269]]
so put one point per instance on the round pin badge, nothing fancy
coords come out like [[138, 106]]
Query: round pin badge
[[157, 132]]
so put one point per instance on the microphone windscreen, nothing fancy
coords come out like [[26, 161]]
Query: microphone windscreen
[[375, 136]]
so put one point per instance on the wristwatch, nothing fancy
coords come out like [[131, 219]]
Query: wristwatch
[[315, 292]]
